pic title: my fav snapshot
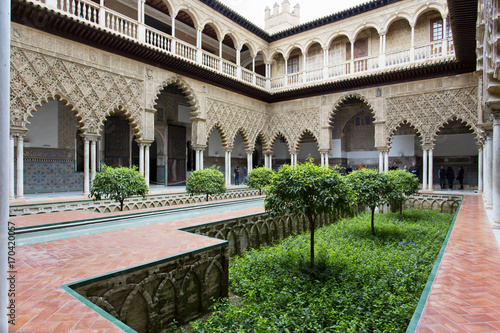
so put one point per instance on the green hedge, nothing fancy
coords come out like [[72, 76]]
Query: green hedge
[[362, 283]]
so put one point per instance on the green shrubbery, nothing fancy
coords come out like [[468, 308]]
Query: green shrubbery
[[118, 184], [363, 283], [259, 178], [208, 181]]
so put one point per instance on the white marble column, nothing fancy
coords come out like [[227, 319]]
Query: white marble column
[[86, 163], [92, 159], [146, 163], [201, 160], [227, 162], [386, 161], [20, 167], [487, 173], [424, 176], [325, 161], [141, 158], [380, 161], [249, 162], [480, 170], [11, 168], [431, 169], [496, 171]]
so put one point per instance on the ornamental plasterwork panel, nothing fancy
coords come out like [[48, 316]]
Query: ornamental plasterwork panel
[[233, 118], [90, 93], [428, 112], [293, 124]]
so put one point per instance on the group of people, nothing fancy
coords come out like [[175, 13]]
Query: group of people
[[237, 173], [449, 175]]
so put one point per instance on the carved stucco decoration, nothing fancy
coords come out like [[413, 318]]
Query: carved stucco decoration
[[230, 119], [429, 112], [292, 125], [91, 94], [186, 90], [351, 96]]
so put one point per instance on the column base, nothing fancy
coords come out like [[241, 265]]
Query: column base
[[85, 194], [12, 198], [496, 225]]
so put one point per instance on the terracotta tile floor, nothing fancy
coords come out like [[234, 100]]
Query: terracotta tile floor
[[43, 306], [465, 296]]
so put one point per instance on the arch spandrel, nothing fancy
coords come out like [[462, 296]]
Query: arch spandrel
[[430, 111], [187, 91], [234, 117], [349, 96], [93, 92], [476, 131], [390, 135], [301, 136]]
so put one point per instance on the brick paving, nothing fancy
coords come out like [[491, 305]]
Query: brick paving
[[465, 296], [43, 306]]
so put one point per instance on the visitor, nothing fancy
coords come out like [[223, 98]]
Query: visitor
[[450, 176], [405, 168], [394, 166], [414, 169], [237, 176], [348, 170], [244, 175], [442, 177], [460, 177]]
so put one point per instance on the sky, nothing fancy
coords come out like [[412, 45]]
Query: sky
[[310, 10]]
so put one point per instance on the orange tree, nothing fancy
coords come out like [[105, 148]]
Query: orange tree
[[118, 184], [310, 190], [372, 189]]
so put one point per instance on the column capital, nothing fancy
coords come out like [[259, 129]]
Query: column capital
[[249, 151], [227, 149], [428, 146], [293, 151], [18, 132], [324, 151], [383, 149]]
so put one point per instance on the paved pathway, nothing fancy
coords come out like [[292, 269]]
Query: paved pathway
[[42, 306], [465, 296]]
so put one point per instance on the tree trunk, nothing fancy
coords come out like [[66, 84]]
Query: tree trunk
[[121, 205], [373, 219], [312, 226]]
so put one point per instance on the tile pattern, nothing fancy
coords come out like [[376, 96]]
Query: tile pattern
[[465, 296]]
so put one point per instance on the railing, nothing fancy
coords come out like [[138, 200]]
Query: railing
[[210, 60], [365, 64], [121, 24], [277, 82], [337, 70], [294, 79], [247, 76], [185, 50], [229, 68], [260, 81], [397, 58], [314, 75], [103, 17], [429, 51], [158, 39], [82, 9]]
